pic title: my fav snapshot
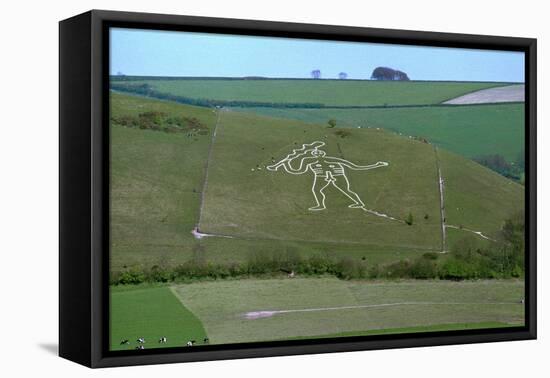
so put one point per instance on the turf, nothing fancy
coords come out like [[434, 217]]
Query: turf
[[421, 329], [221, 306], [156, 183], [151, 313], [326, 92], [486, 210], [466, 130], [156, 179], [245, 200]]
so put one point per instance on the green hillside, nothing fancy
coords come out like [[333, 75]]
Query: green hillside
[[466, 130], [244, 199], [486, 210], [157, 179], [326, 92]]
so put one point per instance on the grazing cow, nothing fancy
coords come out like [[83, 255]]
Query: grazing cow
[[206, 340], [125, 342], [141, 340], [162, 340], [140, 347]]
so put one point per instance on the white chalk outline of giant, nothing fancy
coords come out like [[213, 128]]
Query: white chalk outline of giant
[[328, 169]]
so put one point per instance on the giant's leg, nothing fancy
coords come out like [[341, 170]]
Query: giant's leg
[[319, 185], [342, 184]]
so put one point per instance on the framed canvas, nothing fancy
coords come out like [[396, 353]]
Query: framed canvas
[[235, 188]]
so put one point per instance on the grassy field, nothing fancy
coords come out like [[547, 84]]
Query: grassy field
[[326, 92], [466, 130], [151, 313], [157, 181], [480, 211], [222, 307], [245, 200], [429, 328]]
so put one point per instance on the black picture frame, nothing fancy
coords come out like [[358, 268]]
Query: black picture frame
[[84, 184]]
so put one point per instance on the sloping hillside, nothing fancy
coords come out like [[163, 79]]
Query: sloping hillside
[[157, 181], [244, 199]]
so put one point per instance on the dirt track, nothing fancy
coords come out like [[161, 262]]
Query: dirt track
[[510, 93]]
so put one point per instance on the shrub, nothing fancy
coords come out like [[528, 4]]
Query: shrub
[[399, 269], [348, 268], [159, 121], [454, 269], [158, 274], [131, 277], [409, 219], [431, 255], [423, 269], [342, 133]]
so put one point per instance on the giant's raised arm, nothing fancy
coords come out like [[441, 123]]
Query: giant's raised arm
[[302, 168], [356, 167]]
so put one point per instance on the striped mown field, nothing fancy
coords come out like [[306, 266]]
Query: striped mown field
[[274, 309]]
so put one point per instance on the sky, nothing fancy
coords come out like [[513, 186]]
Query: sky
[[167, 53]]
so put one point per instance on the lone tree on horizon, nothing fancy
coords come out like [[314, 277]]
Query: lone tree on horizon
[[386, 73], [342, 76], [316, 74]]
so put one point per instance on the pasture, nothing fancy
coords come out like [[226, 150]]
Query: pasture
[[151, 312], [347, 307], [325, 92], [485, 210], [419, 329], [245, 200], [469, 131], [157, 181]]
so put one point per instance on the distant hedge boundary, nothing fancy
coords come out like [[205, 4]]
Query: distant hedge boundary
[[467, 260], [147, 90]]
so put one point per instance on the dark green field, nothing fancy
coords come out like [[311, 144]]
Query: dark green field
[[470, 131], [151, 313]]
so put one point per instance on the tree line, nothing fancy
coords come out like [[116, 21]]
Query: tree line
[[148, 91], [466, 260]]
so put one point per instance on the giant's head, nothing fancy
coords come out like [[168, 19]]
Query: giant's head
[[318, 153]]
